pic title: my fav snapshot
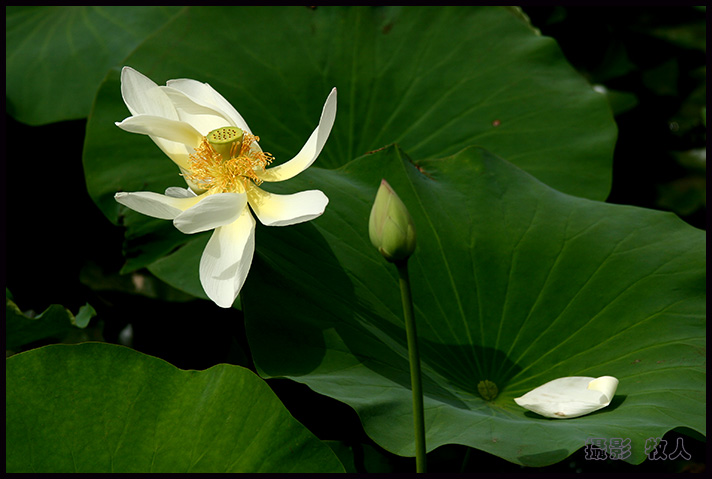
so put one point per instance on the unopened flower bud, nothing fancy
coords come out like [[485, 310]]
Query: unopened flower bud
[[390, 226]]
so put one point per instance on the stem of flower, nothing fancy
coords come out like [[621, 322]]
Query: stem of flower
[[414, 359]]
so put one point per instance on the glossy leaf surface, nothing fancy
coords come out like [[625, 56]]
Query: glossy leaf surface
[[97, 407], [57, 56], [513, 282], [400, 78]]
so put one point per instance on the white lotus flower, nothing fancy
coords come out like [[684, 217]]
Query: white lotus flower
[[223, 165], [570, 397]]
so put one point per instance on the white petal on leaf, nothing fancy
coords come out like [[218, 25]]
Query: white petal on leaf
[[284, 210], [204, 94], [227, 258], [570, 397], [211, 212], [154, 204], [311, 149], [605, 384]]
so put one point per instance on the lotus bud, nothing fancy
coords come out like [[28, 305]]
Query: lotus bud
[[390, 226]]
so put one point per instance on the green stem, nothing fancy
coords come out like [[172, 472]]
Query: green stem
[[414, 359]]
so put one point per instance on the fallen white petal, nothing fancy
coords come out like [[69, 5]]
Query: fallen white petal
[[227, 258], [143, 97], [156, 126], [284, 210], [311, 149], [570, 397], [211, 212], [206, 95], [605, 384], [154, 204]]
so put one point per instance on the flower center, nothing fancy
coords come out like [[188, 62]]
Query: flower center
[[226, 161]]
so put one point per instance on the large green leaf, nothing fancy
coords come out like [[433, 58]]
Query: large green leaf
[[435, 80], [432, 79], [57, 56], [513, 282], [96, 407]]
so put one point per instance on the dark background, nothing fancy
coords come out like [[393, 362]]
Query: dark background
[[654, 61]]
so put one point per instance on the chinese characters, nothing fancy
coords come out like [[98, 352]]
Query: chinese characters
[[615, 448]]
